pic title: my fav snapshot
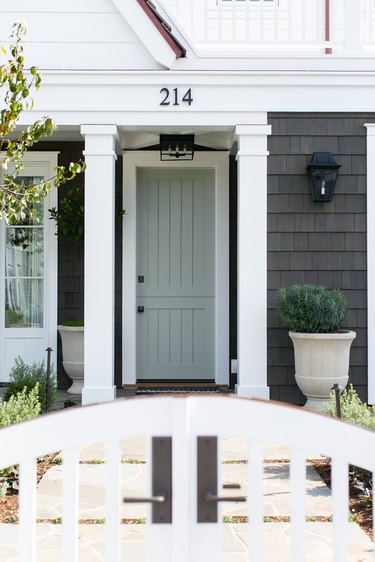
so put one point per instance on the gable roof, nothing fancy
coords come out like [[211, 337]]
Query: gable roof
[[152, 29], [163, 27]]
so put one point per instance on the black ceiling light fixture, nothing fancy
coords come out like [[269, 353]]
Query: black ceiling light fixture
[[176, 147], [323, 170]]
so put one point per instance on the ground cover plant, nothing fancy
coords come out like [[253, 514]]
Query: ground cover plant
[[27, 376]]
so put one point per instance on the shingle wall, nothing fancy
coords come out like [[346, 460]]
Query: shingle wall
[[71, 264], [309, 242]]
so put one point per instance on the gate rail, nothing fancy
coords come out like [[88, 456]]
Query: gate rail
[[185, 419]]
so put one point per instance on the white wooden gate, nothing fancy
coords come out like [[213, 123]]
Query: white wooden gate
[[184, 420]]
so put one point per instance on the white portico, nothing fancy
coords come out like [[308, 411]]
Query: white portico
[[118, 93]]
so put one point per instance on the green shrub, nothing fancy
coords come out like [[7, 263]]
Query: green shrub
[[312, 308], [73, 323], [22, 406], [352, 408], [27, 376]]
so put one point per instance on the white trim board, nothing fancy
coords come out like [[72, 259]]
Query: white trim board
[[370, 130], [219, 161]]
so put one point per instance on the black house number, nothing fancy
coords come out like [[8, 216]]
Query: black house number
[[175, 97]]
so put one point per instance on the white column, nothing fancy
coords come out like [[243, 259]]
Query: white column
[[100, 157], [370, 261], [252, 260]]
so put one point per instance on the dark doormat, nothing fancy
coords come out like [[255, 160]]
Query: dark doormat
[[178, 390]]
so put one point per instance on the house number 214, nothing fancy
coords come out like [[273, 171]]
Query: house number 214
[[174, 96]]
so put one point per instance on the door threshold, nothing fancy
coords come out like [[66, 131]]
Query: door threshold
[[174, 384]]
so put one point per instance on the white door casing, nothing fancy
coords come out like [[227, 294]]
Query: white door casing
[[175, 274], [31, 275], [218, 163]]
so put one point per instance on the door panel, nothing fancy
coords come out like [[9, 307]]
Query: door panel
[[175, 262]]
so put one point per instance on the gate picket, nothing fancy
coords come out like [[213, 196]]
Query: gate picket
[[185, 419]]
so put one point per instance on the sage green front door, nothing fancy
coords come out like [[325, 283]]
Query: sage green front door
[[175, 274]]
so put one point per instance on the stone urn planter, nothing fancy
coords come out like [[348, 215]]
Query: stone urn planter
[[321, 360], [314, 316], [72, 338]]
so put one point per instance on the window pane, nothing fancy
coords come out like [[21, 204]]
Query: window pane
[[24, 303], [36, 218], [24, 252]]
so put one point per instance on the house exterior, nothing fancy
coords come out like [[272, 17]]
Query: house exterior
[[183, 287]]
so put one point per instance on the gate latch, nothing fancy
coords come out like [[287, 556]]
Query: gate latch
[[161, 498], [207, 497]]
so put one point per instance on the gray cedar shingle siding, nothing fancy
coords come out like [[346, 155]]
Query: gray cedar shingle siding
[[311, 242]]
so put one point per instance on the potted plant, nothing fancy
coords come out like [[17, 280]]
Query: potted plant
[[315, 316], [72, 339]]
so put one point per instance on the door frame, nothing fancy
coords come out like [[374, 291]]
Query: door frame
[[219, 163]]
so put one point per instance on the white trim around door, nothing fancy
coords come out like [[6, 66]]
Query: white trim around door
[[219, 162]]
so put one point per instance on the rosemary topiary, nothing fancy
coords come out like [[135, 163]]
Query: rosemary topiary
[[312, 308]]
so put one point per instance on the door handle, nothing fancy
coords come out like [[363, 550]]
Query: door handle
[[161, 498], [141, 309], [207, 485]]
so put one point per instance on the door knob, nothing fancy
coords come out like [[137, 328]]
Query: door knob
[[141, 309]]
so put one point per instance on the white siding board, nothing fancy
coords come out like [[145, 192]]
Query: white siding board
[[46, 6], [78, 40]]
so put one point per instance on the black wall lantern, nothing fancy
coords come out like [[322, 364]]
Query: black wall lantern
[[176, 147], [323, 170]]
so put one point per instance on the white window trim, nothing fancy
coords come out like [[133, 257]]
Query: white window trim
[[50, 160]]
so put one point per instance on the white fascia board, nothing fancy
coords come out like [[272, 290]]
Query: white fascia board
[[132, 99], [146, 31]]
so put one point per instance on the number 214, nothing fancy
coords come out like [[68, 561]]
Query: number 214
[[174, 94]]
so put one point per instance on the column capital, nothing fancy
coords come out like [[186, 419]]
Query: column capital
[[252, 140], [100, 140], [256, 129], [99, 130], [370, 128]]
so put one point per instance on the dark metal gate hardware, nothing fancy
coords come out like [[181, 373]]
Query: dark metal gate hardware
[[161, 498], [207, 497], [153, 499], [141, 309], [141, 278]]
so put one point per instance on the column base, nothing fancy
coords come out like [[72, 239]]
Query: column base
[[253, 391], [95, 395]]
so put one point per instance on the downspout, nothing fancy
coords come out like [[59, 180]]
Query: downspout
[[328, 26]]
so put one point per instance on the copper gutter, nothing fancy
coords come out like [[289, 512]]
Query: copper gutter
[[328, 25]]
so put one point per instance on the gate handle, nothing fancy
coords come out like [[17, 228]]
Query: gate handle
[[160, 498], [208, 496]]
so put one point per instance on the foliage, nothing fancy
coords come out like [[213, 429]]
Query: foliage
[[22, 406], [73, 323], [312, 308], [17, 200], [352, 408], [70, 216], [19, 407], [28, 376]]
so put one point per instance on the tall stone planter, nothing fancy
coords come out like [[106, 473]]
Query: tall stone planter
[[321, 360], [72, 339]]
